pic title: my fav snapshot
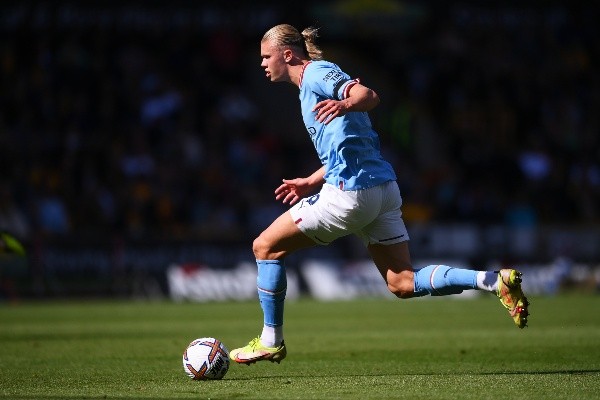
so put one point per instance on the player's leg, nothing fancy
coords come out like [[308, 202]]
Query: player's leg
[[319, 219], [270, 248], [387, 241], [393, 262], [281, 238], [441, 280]]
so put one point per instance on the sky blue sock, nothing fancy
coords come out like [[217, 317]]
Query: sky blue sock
[[442, 280], [271, 284]]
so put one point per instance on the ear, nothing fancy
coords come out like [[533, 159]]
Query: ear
[[288, 54]]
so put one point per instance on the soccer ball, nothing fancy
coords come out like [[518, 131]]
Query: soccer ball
[[206, 359]]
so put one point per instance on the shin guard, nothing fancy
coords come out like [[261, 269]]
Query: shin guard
[[271, 284], [442, 280]]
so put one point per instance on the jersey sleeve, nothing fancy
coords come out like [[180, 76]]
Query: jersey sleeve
[[329, 81]]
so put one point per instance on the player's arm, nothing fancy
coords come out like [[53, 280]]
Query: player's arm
[[358, 98], [292, 190]]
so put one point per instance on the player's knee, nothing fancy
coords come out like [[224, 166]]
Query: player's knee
[[261, 249], [401, 291], [402, 285]]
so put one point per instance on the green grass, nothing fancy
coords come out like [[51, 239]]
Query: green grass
[[374, 349]]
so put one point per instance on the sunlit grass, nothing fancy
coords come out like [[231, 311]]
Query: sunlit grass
[[371, 349]]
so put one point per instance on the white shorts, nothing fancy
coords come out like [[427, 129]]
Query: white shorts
[[372, 214]]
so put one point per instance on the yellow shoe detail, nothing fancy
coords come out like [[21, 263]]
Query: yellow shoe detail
[[255, 351], [511, 296]]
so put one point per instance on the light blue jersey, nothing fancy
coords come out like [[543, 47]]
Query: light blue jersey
[[347, 146]]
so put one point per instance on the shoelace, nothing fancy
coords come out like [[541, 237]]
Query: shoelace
[[254, 343]]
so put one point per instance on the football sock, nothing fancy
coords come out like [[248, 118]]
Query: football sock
[[271, 284], [442, 280], [271, 336], [487, 280]]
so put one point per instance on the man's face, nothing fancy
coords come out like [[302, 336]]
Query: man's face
[[273, 61]]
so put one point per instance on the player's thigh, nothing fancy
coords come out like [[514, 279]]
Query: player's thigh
[[281, 238], [393, 257], [394, 265]]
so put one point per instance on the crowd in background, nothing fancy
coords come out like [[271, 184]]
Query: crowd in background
[[487, 120]]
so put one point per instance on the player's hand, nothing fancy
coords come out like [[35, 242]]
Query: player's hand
[[329, 109], [292, 190]]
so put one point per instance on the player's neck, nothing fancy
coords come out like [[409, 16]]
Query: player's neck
[[297, 72]]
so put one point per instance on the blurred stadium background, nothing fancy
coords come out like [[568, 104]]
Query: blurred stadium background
[[140, 143]]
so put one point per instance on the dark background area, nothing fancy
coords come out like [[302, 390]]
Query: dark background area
[[149, 123]]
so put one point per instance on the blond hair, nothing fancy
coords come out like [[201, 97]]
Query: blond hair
[[287, 35]]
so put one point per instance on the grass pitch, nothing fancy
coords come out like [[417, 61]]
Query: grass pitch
[[371, 349]]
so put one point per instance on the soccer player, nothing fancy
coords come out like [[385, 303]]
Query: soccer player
[[354, 192]]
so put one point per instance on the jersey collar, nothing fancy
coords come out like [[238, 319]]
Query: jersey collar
[[302, 73]]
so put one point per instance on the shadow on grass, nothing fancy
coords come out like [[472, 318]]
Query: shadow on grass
[[558, 372], [553, 372]]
